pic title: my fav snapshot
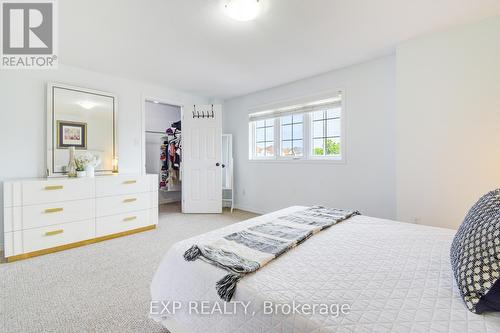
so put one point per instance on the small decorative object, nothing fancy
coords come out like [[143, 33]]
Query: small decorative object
[[80, 167], [71, 168], [88, 162], [115, 165], [71, 134], [90, 171], [81, 174]]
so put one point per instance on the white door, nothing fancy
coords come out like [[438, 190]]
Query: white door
[[201, 153]]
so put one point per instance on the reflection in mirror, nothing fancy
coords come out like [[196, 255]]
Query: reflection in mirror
[[83, 119]]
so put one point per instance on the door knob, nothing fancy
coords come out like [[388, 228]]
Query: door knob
[[223, 165], [217, 164]]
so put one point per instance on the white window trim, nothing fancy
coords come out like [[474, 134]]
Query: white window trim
[[308, 157], [342, 138], [292, 158], [252, 155]]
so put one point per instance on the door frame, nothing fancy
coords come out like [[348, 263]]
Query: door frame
[[145, 99]]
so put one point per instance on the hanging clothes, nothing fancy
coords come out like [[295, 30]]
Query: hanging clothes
[[170, 157], [177, 125], [164, 164]]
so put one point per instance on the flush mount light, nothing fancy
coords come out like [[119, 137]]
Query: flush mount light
[[242, 10], [87, 105]]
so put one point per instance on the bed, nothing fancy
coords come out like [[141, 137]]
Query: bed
[[394, 277]]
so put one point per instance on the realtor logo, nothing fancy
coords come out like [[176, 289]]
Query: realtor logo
[[28, 34]]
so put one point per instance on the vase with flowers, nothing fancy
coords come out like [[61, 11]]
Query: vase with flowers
[[87, 162], [80, 170]]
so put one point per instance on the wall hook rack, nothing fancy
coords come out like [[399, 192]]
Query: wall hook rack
[[203, 114]]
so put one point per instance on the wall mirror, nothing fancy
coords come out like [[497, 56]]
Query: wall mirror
[[81, 118]]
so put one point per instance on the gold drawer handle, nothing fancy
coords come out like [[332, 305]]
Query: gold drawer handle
[[130, 218], [130, 182], [53, 210], [55, 232], [130, 200], [53, 187]]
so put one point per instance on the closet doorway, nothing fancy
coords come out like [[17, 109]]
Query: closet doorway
[[163, 151]]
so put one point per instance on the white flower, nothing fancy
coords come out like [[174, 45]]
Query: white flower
[[88, 159]]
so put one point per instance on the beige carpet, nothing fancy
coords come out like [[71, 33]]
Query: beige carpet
[[102, 287]]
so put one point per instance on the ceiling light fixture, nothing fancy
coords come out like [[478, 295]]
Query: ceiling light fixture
[[242, 10], [87, 105]]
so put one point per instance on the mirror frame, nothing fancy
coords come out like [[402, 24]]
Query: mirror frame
[[50, 144]]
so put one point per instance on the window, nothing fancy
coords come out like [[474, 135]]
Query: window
[[311, 131], [326, 132], [264, 138], [292, 135]]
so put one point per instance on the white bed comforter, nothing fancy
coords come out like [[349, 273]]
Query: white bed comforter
[[396, 277]]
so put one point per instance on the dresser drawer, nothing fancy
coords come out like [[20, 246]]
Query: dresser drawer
[[118, 204], [12, 219], [12, 194], [54, 190], [13, 243], [118, 185], [56, 213], [123, 222], [56, 235]]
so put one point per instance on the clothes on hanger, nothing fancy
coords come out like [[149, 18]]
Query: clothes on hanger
[[164, 165], [170, 157], [177, 125]]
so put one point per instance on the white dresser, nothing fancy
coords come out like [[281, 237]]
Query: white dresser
[[53, 214]]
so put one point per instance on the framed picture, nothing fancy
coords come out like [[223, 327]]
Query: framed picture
[[71, 134]]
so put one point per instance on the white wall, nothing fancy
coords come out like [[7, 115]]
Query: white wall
[[159, 116], [365, 182], [448, 122], [22, 116]]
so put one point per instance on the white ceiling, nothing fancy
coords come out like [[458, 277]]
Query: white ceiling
[[191, 45]]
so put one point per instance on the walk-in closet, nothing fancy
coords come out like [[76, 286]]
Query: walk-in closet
[[164, 149]]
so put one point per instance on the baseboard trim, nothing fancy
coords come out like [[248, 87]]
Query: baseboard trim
[[168, 201], [78, 244], [251, 209]]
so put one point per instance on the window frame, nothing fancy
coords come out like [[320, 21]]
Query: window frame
[[280, 139], [307, 136], [312, 138], [253, 142]]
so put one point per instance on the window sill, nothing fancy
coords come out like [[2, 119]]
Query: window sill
[[299, 161]]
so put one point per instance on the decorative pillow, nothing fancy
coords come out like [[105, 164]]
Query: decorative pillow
[[475, 255]]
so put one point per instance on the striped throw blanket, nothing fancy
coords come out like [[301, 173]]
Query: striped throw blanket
[[251, 248]]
